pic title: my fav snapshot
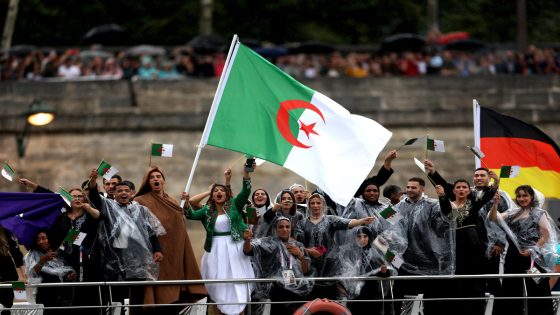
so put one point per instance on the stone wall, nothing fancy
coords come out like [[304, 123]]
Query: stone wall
[[117, 121]]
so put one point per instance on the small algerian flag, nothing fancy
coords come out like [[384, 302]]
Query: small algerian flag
[[420, 165], [159, 149], [261, 111], [381, 244], [65, 195], [71, 236], [476, 151], [390, 215], [8, 172], [435, 145], [413, 141], [106, 170], [19, 291], [394, 259], [509, 171]]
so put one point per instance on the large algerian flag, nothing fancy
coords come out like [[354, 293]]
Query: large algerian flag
[[263, 112]]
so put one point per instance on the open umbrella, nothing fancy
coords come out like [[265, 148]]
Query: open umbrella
[[145, 50], [104, 34], [207, 44], [272, 52], [21, 50], [465, 45], [312, 47], [403, 42], [90, 54]]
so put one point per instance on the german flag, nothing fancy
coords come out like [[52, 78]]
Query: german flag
[[507, 141]]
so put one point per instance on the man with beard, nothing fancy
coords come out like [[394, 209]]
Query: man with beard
[[425, 239], [109, 186]]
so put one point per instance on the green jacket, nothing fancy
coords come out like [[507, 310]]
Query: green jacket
[[234, 214]]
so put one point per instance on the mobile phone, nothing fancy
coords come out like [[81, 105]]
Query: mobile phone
[[249, 165]]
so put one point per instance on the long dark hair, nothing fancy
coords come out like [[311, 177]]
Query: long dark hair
[[267, 203], [529, 190], [286, 191]]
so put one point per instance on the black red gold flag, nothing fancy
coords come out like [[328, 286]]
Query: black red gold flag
[[509, 141]]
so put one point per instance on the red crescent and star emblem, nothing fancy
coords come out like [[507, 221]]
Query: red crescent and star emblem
[[283, 121]]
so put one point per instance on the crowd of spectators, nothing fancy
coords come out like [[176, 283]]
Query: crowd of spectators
[[94, 63]]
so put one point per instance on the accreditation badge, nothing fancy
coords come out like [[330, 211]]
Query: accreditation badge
[[288, 277]]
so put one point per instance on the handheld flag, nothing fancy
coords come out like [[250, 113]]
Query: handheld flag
[[390, 215], [165, 150], [263, 112], [65, 195], [8, 172], [435, 145], [394, 259], [19, 291], [476, 151], [106, 170], [509, 141], [509, 171]]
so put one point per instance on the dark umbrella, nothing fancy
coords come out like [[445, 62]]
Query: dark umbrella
[[90, 54], [104, 34], [207, 44], [465, 45], [272, 52], [21, 50], [251, 43], [403, 42], [312, 47], [145, 50]]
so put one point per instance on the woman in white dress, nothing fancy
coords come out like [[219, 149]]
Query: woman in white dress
[[224, 258]]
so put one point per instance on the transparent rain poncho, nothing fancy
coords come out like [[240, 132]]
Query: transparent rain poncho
[[495, 234], [321, 237], [56, 267], [424, 238], [359, 208], [124, 236], [270, 258], [525, 228], [354, 260]]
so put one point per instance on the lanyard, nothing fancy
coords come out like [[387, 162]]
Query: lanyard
[[283, 262]]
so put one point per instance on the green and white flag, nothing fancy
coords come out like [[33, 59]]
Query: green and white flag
[[435, 145], [263, 112], [476, 151], [106, 170], [414, 141], [19, 291], [509, 171], [394, 259], [8, 172], [165, 150], [390, 215], [65, 195]]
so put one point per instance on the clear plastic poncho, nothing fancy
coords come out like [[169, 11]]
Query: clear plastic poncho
[[354, 260], [424, 238], [359, 208], [124, 236], [56, 267], [495, 234], [525, 228], [270, 258]]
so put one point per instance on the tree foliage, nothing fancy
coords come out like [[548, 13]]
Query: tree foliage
[[174, 22]]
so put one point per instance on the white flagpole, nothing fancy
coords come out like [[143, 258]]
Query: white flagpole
[[476, 123], [213, 110]]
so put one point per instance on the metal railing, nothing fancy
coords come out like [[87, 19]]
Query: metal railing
[[411, 299]]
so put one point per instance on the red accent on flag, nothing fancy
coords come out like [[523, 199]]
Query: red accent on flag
[[519, 151]]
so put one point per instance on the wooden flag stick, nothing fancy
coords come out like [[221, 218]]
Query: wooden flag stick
[[237, 161], [151, 146]]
